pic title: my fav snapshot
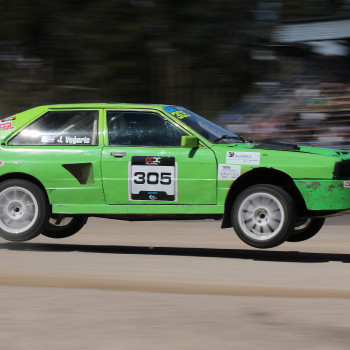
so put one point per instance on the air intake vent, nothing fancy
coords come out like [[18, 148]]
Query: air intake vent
[[82, 172]]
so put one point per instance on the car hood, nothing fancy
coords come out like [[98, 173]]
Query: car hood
[[325, 151], [287, 147]]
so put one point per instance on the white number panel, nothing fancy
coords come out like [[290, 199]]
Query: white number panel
[[152, 178]]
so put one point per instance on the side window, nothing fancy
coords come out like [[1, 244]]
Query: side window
[[65, 128], [141, 129]]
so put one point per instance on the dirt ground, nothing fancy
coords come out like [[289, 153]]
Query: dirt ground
[[175, 285]]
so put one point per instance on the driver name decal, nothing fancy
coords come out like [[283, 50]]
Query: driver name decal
[[74, 140], [243, 158]]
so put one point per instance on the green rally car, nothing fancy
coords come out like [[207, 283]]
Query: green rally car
[[60, 164]]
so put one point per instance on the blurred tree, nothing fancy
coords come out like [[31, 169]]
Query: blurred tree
[[195, 53], [298, 9]]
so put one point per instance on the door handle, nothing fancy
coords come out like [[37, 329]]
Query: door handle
[[118, 154]]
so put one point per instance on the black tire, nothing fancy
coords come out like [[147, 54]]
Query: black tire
[[306, 229], [62, 226], [263, 216], [24, 210]]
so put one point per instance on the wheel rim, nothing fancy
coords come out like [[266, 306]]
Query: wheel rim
[[18, 209], [302, 224], [261, 216], [61, 222]]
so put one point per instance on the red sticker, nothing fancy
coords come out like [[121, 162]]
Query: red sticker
[[346, 183], [6, 126]]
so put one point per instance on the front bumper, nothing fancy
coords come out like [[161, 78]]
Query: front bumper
[[325, 194]]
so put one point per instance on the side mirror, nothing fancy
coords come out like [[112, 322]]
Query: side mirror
[[189, 142]]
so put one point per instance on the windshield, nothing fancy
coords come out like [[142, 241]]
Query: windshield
[[212, 132]]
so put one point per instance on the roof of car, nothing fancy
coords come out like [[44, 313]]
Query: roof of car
[[105, 105]]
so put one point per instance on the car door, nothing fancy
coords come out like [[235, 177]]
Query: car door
[[143, 162]]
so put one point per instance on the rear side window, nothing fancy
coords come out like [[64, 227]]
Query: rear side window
[[65, 128]]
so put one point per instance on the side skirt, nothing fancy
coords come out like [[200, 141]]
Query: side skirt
[[156, 209]]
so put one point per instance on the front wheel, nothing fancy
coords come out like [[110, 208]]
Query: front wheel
[[61, 226], [24, 210], [263, 216], [306, 229]]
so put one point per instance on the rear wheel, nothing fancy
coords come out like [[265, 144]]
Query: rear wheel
[[306, 229], [61, 226], [263, 216], [24, 210]]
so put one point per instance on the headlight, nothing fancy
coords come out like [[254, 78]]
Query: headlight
[[342, 170]]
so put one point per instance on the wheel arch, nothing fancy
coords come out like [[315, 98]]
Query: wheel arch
[[258, 176], [24, 176]]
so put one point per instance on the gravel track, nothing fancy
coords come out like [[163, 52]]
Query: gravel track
[[175, 285]]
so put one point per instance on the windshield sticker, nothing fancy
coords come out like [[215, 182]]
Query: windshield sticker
[[6, 125], [244, 158], [169, 109], [228, 172], [180, 114], [175, 113], [152, 178]]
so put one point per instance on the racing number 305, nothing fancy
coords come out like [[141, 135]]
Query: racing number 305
[[152, 178]]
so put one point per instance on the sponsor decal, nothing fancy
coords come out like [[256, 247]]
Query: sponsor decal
[[152, 178], [246, 158], [74, 140], [152, 195], [180, 114], [175, 113], [228, 172], [7, 119], [6, 125], [346, 183], [48, 139], [169, 109], [2, 163], [153, 160]]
